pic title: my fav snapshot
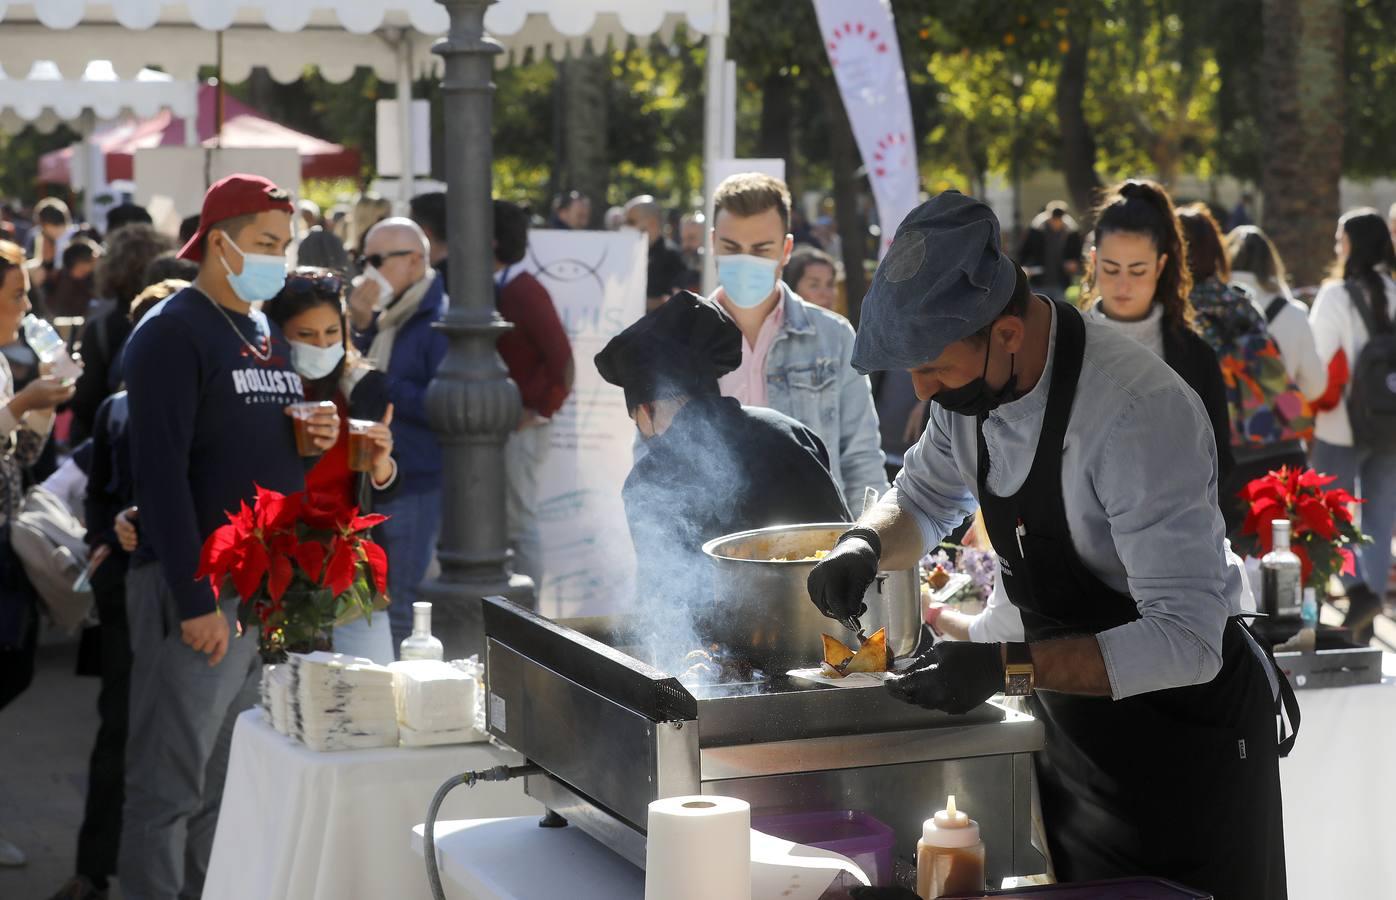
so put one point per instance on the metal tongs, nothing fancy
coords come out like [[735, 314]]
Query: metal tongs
[[861, 636]]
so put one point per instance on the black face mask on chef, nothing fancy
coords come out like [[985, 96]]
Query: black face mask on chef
[[976, 398]]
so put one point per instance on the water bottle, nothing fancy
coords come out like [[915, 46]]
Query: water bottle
[[50, 348], [42, 338], [420, 644]]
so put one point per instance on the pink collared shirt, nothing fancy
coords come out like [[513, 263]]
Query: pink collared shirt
[[747, 383]]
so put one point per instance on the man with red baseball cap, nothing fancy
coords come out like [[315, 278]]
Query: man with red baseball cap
[[209, 380]]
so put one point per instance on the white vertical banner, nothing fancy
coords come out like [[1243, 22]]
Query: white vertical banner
[[861, 40], [597, 282]]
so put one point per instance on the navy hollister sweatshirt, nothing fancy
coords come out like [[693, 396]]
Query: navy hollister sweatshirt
[[207, 425]]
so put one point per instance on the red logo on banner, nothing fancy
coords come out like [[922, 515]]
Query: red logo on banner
[[891, 153], [856, 30]]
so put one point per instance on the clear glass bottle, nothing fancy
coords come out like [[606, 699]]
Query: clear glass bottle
[[1279, 575], [420, 644]]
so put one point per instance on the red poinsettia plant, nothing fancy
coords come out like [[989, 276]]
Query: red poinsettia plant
[[301, 564], [1322, 532]]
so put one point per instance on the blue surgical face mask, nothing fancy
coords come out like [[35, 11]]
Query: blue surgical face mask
[[746, 280], [312, 362], [261, 278]]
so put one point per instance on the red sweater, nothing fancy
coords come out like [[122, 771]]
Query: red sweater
[[536, 351]]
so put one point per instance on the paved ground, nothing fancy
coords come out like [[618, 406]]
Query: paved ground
[[45, 738]]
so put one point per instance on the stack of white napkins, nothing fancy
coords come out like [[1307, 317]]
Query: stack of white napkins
[[436, 703], [342, 702], [276, 696]]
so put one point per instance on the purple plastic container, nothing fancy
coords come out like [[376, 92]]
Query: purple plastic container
[[848, 832]]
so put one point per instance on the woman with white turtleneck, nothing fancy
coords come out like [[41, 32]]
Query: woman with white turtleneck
[[1137, 281]]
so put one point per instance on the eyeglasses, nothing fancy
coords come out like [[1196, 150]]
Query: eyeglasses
[[377, 259], [328, 284]]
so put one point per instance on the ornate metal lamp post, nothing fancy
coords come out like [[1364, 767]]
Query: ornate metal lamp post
[[472, 404]]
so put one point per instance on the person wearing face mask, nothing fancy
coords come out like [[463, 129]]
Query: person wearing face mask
[[1095, 470], [795, 355], [711, 466], [210, 384], [309, 310], [394, 313]]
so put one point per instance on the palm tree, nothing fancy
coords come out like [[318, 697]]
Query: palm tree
[[1302, 123]]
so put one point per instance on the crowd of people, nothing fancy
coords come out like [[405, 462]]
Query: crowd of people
[[189, 347]]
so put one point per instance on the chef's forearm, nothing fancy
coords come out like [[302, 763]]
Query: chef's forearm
[[1071, 666], [902, 541]]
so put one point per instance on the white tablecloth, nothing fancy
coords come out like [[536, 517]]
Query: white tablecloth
[[314, 826], [1340, 793], [514, 859]]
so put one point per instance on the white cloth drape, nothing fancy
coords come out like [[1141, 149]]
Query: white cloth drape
[[317, 826]]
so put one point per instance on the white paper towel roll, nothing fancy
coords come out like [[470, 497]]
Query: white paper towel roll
[[698, 848]]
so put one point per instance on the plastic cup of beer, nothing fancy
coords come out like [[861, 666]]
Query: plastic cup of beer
[[361, 445], [301, 414]]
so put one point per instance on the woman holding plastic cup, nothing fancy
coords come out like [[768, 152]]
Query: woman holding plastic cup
[[310, 312]]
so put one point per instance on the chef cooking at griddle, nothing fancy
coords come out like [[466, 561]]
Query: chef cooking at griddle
[[1095, 469], [711, 466]]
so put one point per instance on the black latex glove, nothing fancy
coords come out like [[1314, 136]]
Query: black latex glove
[[882, 893], [839, 581], [955, 676]]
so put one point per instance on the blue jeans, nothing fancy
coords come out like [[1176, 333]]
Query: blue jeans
[[409, 539], [1372, 477]]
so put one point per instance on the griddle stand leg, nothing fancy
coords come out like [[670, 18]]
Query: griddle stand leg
[[552, 820]]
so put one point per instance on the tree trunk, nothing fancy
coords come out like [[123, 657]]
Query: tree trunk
[[843, 156], [1078, 141], [585, 164], [775, 139], [1302, 120]]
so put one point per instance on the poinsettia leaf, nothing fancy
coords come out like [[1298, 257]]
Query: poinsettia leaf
[[1315, 516], [310, 556], [377, 560], [248, 572], [364, 523], [215, 557], [278, 576], [339, 574], [1316, 480]]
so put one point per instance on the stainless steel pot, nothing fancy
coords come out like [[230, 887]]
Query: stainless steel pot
[[763, 611]]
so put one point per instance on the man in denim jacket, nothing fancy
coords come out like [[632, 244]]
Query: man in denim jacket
[[795, 355]]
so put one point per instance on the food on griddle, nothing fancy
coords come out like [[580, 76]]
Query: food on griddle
[[873, 656], [817, 555], [700, 673], [938, 578]]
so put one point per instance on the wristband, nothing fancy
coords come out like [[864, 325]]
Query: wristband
[[866, 534]]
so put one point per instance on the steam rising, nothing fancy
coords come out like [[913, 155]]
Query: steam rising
[[678, 496]]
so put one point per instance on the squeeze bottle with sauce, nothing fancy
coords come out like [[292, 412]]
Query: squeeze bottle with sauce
[[950, 855]]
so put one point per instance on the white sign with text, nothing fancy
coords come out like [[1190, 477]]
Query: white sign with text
[[597, 282]]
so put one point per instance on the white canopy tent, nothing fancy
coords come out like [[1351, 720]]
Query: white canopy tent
[[45, 99], [393, 37]]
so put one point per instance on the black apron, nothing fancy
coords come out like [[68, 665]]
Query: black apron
[[1181, 783]]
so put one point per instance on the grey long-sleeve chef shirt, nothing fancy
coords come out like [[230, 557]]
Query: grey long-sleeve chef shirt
[[1139, 479]]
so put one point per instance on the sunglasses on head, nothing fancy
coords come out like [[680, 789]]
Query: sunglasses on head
[[377, 259], [328, 284]]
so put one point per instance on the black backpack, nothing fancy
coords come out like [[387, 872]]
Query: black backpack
[[1372, 390]]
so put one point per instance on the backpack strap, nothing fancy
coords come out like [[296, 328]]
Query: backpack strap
[[1358, 293], [1274, 308]]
